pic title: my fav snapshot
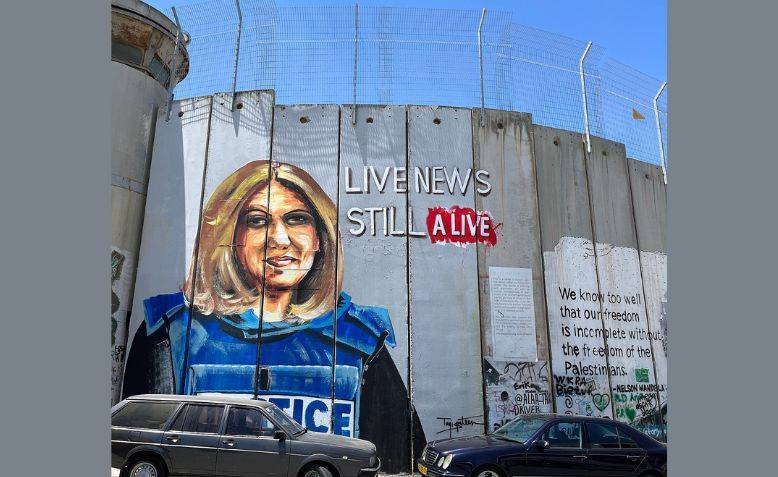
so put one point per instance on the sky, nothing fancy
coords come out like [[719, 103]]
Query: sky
[[632, 32]]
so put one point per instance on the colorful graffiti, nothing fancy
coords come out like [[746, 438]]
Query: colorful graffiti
[[265, 271], [263, 294]]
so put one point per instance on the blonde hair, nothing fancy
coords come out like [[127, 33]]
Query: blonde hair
[[217, 281]]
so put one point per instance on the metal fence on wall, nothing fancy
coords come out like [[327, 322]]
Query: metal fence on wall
[[390, 55]]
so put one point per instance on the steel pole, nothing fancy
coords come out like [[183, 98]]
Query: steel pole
[[481, 61], [237, 54], [356, 55], [659, 132], [583, 96], [173, 68]]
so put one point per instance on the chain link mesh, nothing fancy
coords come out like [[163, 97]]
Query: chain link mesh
[[313, 54]]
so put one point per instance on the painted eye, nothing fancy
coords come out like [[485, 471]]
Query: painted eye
[[298, 218], [254, 221]]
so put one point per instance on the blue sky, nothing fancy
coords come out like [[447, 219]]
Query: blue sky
[[633, 32]]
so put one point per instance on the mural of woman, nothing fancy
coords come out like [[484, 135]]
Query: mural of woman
[[265, 287]]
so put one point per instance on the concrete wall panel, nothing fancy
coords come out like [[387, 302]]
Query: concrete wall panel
[[649, 200], [577, 345], [307, 137], [633, 385], [445, 329], [237, 136], [374, 264], [562, 194], [174, 192], [375, 260], [504, 148]]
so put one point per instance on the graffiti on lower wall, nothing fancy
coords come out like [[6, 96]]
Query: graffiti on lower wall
[[122, 262], [602, 344], [654, 267], [515, 388], [629, 340], [578, 352]]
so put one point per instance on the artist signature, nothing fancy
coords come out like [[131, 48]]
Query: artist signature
[[450, 425]]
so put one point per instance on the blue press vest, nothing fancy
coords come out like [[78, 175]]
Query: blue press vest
[[222, 357]]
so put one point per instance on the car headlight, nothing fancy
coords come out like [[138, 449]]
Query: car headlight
[[373, 461], [440, 461], [447, 461]]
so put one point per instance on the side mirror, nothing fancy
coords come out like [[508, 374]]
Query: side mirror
[[542, 444], [280, 435]]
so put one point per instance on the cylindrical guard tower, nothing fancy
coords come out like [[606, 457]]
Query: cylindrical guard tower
[[145, 61]]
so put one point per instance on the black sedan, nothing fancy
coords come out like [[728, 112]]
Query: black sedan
[[548, 444]]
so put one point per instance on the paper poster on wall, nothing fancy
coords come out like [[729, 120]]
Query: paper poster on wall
[[513, 314]]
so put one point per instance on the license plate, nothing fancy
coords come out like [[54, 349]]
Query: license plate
[[423, 469]]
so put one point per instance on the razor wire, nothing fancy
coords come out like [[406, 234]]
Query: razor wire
[[395, 55]]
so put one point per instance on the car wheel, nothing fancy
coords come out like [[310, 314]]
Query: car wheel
[[145, 468], [317, 471], [488, 473]]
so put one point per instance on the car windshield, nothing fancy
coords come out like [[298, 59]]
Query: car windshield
[[519, 429], [282, 419]]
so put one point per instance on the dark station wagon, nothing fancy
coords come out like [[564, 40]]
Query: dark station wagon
[[157, 435], [549, 445]]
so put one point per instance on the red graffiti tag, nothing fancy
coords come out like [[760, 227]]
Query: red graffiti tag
[[460, 226]]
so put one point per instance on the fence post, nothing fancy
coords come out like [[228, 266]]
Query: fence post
[[583, 96], [173, 68], [481, 61], [237, 53], [659, 132], [356, 55]]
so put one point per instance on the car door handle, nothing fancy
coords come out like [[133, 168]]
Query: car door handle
[[579, 457], [229, 442], [633, 457], [173, 439]]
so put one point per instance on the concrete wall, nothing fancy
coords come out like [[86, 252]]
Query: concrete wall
[[444, 317], [630, 355], [517, 378], [139, 91], [602, 339], [136, 99], [649, 202], [479, 272], [581, 378]]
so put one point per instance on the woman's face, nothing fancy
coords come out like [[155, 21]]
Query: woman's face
[[289, 230]]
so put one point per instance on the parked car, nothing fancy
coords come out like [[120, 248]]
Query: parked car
[[549, 445], [156, 435]]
